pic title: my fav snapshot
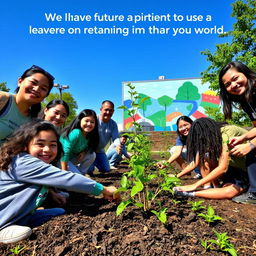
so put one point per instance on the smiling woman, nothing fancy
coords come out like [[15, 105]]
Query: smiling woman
[[33, 86]]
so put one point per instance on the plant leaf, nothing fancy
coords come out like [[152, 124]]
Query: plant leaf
[[120, 208], [137, 188]]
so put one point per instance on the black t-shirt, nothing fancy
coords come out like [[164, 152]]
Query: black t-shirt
[[250, 107]]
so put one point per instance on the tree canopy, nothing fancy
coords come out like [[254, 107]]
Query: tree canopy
[[3, 87], [240, 46]]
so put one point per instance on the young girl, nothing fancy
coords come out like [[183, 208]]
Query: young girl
[[33, 86], [238, 88], [80, 140], [26, 174], [208, 145], [56, 112], [179, 151]]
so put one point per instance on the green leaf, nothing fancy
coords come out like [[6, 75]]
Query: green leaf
[[121, 189], [232, 251], [123, 182], [137, 188], [140, 205], [210, 210], [122, 206], [122, 107]]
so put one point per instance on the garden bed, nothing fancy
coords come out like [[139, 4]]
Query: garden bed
[[91, 227]]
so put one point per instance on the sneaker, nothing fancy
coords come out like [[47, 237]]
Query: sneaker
[[14, 233], [112, 167], [198, 176], [245, 198]]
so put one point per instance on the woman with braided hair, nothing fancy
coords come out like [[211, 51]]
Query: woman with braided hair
[[208, 145]]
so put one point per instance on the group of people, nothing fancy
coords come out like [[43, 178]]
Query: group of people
[[40, 158], [225, 154]]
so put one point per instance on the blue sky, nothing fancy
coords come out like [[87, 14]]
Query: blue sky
[[94, 66]]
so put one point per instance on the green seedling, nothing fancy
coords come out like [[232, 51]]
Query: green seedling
[[175, 202], [136, 185], [210, 217], [197, 205], [17, 249], [206, 244], [161, 215], [222, 243]]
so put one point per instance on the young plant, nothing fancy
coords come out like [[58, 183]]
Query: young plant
[[210, 217], [161, 215], [197, 205], [136, 184], [17, 249], [222, 242]]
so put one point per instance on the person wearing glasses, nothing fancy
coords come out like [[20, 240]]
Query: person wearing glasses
[[34, 86]]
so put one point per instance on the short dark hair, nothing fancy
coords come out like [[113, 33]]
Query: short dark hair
[[109, 102]]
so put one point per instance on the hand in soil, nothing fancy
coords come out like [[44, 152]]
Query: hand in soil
[[161, 164], [186, 188], [110, 194], [58, 199]]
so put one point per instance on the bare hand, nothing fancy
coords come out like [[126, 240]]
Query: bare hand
[[161, 164], [80, 157], [236, 140], [57, 198], [241, 150], [187, 188], [110, 194]]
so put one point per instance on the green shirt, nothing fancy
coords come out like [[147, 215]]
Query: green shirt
[[227, 133], [74, 144]]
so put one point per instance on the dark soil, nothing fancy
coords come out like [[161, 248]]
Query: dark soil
[[89, 229]]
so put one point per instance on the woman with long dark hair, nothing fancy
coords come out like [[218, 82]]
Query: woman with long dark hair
[[238, 89], [208, 144], [33, 86], [179, 151], [80, 140]]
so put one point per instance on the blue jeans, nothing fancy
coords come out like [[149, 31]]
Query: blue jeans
[[101, 162], [39, 217], [251, 169], [113, 157]]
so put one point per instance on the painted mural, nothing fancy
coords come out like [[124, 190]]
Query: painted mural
[[168, 100]]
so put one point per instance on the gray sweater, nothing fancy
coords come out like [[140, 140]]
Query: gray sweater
[[22, 184]]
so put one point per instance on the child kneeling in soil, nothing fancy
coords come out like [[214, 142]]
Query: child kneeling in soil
[[208, 144], [26, 173]]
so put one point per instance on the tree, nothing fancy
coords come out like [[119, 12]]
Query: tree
[[144, 101], [165, 101], [3, 87], [66, 96], [188, 91], [241, 45]]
